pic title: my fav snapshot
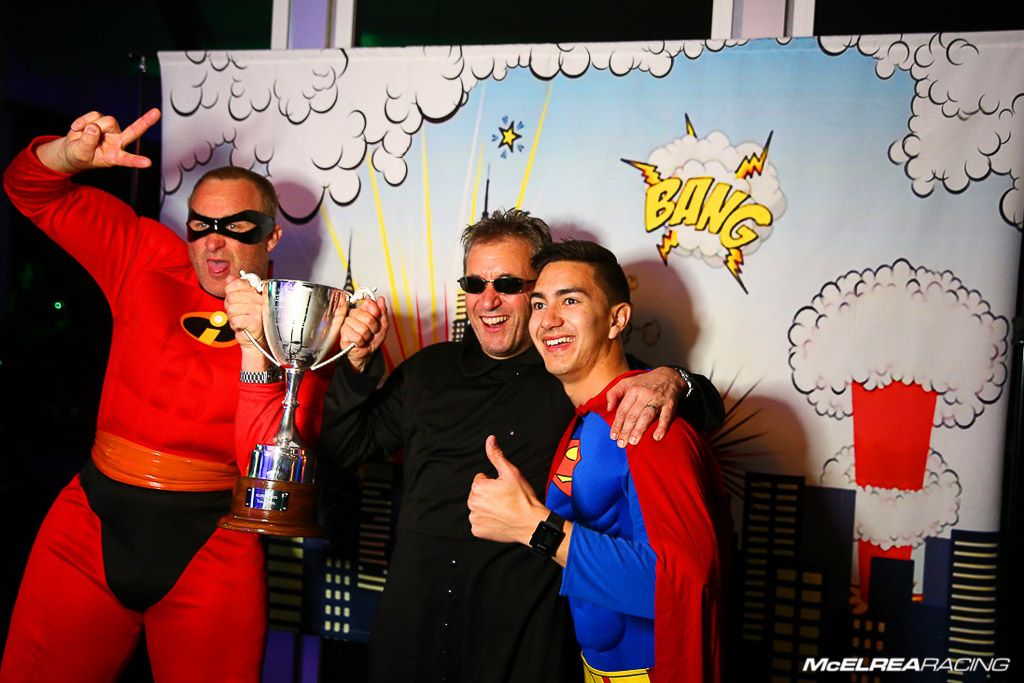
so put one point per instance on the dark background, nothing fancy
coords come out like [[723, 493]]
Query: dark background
[[61, 59]]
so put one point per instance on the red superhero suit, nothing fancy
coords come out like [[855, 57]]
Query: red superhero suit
[[118, 552]]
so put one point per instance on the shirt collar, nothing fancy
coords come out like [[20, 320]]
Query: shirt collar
[[474, 362]]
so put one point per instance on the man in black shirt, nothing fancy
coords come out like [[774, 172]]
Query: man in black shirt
[[456, 608]]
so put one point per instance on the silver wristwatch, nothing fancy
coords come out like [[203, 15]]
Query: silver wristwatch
[[270, 376], [686, 378]]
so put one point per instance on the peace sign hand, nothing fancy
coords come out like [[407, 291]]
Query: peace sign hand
[[97, 141]]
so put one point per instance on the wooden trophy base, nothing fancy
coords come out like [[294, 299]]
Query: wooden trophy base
[[274, 508]]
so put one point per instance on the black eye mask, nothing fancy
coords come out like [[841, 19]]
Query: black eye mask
[[263, 223]]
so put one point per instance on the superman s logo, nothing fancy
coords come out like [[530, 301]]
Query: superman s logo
[[563, 474]]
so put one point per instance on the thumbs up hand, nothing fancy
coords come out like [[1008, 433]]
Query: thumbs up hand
[[504, 509]]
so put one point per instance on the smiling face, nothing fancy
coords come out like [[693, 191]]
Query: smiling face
[[214, 256], [500, 321], [576, 330]]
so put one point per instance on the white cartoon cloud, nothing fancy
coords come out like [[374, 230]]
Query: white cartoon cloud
[[968, 90], [896, 517], [898, 323], [349, 107]]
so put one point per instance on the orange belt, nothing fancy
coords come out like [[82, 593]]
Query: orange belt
[[592, 675], [130, 463]]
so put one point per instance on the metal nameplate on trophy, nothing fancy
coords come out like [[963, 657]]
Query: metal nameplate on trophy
[[278, 493]]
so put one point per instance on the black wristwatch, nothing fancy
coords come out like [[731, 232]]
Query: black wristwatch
[[548, 536]]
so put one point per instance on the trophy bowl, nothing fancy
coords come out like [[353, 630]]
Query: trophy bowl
[[297, 319], [278, 494]]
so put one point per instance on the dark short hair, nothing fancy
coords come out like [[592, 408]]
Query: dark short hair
[[268, 195], [607, 271], [514, 223]]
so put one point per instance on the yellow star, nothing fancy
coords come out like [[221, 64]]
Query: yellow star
[[508, 136]]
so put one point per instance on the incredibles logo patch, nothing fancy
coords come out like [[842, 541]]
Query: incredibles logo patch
[[563, 475], [208, 328]]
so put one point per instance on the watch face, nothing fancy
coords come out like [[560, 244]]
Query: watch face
[[546, 538]]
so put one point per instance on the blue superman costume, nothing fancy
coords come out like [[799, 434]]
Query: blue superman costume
[[643, 574]]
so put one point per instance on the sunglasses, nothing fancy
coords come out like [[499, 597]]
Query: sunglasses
[[506, 284]]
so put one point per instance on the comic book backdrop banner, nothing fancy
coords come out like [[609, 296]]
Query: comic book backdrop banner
[[828, 227]]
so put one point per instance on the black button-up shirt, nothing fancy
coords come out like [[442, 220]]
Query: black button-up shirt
[[455, 607]]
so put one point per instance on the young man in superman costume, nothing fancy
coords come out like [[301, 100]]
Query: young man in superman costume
[[132, 542], [637, 529]]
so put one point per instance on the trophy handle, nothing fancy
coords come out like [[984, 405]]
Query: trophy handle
[[264, 352], [331, 359], [256, 283], [353, 298]]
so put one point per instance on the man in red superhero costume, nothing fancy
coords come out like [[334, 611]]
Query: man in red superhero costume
[[637, 528], [132, 542]]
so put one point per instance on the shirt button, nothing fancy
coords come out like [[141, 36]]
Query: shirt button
[[512, 433], [453, 561]]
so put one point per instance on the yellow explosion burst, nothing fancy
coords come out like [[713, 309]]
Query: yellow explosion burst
[[669, 241], [754, 164], [651, 176], [733, 260]]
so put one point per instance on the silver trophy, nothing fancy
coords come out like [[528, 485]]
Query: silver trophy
[[278, 496]]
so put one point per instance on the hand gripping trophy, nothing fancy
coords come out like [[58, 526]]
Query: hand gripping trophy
[[277, 496]]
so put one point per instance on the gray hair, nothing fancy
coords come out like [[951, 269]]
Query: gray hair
[[514, 223]]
